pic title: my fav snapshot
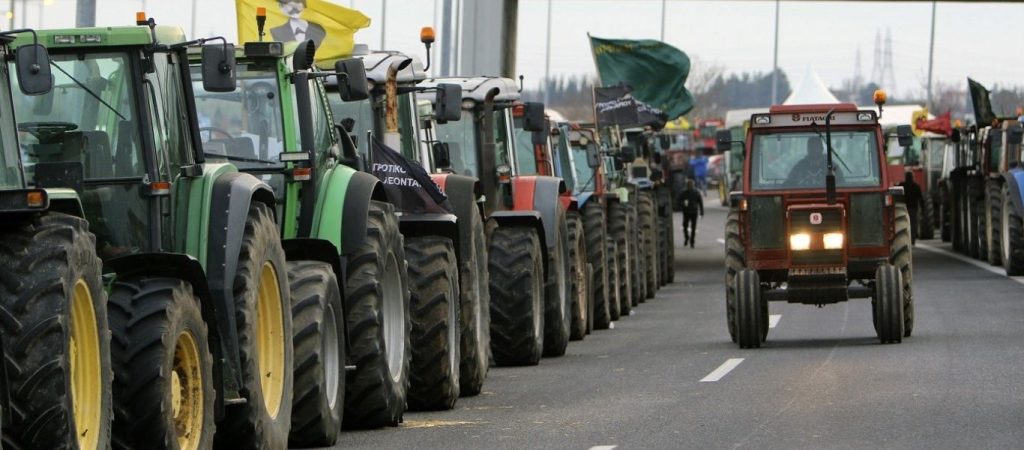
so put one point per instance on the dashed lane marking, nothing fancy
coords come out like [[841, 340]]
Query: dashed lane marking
[[603, 447], [773, 320], [971, 261], [722, 370]]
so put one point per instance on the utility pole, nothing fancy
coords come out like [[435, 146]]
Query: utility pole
[[663, 20], [383, 22], [545, 85], [10, 16], [85, 13], [192, 35], [775, 58], [931, 57]]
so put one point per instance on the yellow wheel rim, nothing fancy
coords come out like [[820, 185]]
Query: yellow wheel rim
[[86, 368], [270, 340], [187, 392]]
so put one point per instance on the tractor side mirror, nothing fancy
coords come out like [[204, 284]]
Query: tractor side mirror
[[540, 137], [33, 67], [723, 140], [905, 135], [533, 116], [442, 155], [353, 86], [304, 56], [593, 157], [627, 153], [448, 103], [219, 67], [1014, 134], [955, 136]]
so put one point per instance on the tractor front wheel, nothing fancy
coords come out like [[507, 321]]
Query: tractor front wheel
[[517, 296], [474, 311], [901, 256], [580, 277], [751, 311], [597, 254], [887, 308], [558, 292], [436, 333]]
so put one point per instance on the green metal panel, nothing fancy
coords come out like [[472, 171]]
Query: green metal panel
[[327, 223], [190, 202], [865, 220], [103, 36], [767, 222]]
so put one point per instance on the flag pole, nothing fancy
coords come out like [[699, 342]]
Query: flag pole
[[931, 56], [546, 84], [775, 58]]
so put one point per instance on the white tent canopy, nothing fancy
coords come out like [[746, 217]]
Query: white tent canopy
[[810, 91]]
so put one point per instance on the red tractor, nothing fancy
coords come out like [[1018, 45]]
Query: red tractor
[[817, 222]]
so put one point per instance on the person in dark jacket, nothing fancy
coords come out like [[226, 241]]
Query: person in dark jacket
[[690, 202], [914, 199]]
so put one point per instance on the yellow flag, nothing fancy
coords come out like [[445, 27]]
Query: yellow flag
[[332, 27]]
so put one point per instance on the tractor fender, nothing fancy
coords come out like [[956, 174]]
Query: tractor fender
[[541, 194], [431, 224], [343, 207], [1014, 179], [569, 202], [231, 196], [464, 194], [65, 201], [185, 268], [525, 219]]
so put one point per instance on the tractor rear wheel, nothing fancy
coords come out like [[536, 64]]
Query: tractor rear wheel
[[615, 280], [164, 394], [55, 335], [750, 309], [434, 300], [618, 232], [901, 256], [1013, 236], [558, 292], [474, 311], [735, 261], [637, 261], [264, 325], [318, 322], [377, 300], [887, 305], [602, 289], [926, 220], [517, 296], [647, 222], [976, 220], [993, 219], [579, 275]]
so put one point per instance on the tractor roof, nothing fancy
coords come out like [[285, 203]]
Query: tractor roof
[[377, 64], [103, 36], [817, 108], [779, 116], [476, 88]]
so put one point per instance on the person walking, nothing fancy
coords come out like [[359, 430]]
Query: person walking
[[690, 202], [914, 199], [700, 171]]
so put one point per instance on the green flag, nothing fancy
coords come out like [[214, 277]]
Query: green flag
[[983, 114], [654, 70]]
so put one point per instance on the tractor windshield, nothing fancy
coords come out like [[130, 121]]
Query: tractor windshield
[[584, 176], [791, 160], [357, 115], [244, 126], [461, 144], [563, 163], [10, 169], [526, 151]]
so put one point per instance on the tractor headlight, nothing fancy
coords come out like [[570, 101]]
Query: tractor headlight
[[833, 241], [800, 241]]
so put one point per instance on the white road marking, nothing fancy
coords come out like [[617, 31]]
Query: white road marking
[[721, 241], [611, 325], [722, 370], [974, 262], [603, 447], [773, 320]]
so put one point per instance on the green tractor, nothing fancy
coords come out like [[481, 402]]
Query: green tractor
[[450, 320], [278, 126], [52, 294], [195, 272]]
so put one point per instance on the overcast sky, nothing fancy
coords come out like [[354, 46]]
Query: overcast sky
[[974, 39]]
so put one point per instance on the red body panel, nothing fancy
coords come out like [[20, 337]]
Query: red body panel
[[440, 179], [522, 193]]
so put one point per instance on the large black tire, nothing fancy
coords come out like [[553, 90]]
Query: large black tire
[[558, 292], [377, 300], [517, 296], [887, 310], [1012, 239], [618, 232], [926, 220], [255, 423], [45, 264], [615, 281], [901, 256], [159, 343], [735, 261], [637, 261], [751, 310], [602, 290], [993, 219], [647, 221], [318, 321], [436, 333], [474, 311], [958, 217], [976, 206], [580, 278]]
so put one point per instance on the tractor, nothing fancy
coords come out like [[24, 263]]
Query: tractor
[[528, 245], [278, 125], [195, 274], [624, 245], [444, 242], [817, 222], [1002, 232]]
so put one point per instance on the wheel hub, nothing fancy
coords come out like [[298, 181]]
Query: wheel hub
[[187, 402], [270, 340], [393, 312]]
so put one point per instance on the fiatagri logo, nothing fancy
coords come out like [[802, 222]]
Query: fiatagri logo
[[808, 118]]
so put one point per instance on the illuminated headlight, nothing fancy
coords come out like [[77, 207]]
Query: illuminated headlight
[[63, 39], [865, 117], [833, 241], [468, 104], [762, 120], [800, 241]]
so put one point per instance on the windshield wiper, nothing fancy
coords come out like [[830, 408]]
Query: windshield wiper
[[93, 94]]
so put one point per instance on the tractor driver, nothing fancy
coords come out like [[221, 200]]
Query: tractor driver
[[811, 170]]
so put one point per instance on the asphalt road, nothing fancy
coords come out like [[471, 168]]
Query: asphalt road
[[821, 381]]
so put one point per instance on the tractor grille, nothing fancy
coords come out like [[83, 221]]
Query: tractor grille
[[866, 228], [800, 221], [817, 257], [767, 224]]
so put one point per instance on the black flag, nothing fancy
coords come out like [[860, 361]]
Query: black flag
[[615, 105], [983, 114], [408, 186]]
